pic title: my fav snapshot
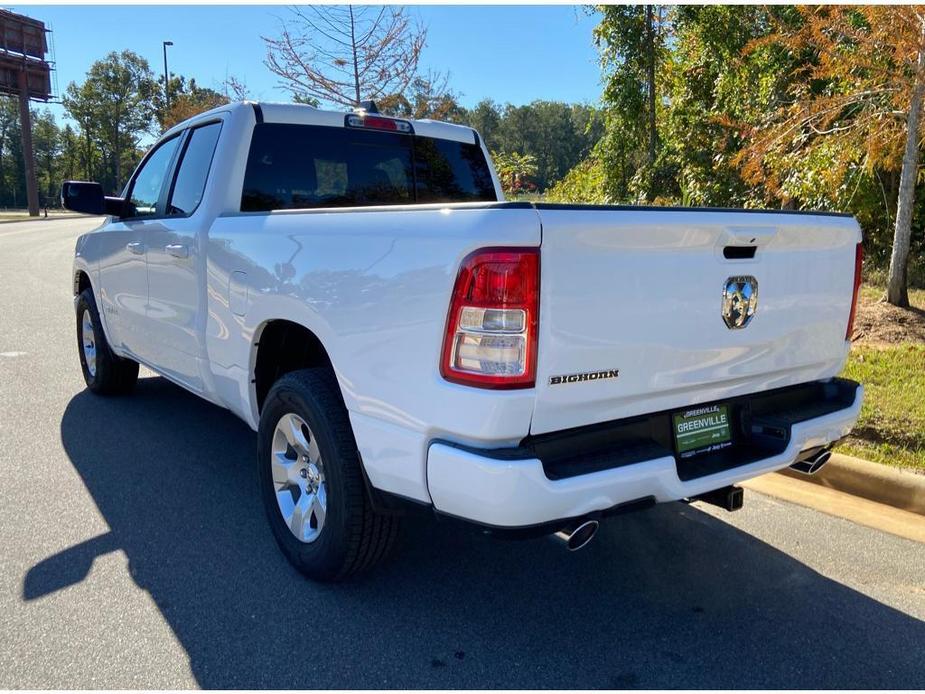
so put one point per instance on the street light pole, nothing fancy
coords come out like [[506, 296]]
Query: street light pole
[[166, 84]]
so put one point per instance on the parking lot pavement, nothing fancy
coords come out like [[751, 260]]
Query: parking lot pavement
[[135, 553]]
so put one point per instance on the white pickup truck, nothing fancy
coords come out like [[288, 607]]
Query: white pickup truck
[[355, 288]]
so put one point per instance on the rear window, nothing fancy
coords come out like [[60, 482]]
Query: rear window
[[308, 166]]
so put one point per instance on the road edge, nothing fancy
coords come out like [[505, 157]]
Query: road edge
[[896, 487]]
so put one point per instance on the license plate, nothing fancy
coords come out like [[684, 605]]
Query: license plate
[[701, 430]]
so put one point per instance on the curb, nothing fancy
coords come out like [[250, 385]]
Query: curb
[[40, 218], [902, 489]]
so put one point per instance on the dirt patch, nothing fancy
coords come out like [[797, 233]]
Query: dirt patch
[[880, 323]]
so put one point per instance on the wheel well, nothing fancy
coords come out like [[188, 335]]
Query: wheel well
[[81, 282], [285, 346]]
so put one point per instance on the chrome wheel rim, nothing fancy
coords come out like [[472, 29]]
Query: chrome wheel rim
[[88, 340], [298, 478]]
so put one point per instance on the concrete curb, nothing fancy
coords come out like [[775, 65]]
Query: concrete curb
[[902, 489], [40, 218]]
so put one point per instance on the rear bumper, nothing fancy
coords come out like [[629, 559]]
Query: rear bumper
[[510, 488]]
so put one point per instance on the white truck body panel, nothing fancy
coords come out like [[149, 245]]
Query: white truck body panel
[[373, 285], [641, 291], [518, 493], [634, 290]]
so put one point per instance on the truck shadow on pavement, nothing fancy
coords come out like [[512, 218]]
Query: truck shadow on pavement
[[669, 597]]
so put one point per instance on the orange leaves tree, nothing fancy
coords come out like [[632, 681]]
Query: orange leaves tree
[[853, 104]]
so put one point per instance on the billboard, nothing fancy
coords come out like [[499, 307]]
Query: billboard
[[22, 35], [23, 46]]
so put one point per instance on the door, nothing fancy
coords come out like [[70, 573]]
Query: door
[[176, 304], [123, 263]]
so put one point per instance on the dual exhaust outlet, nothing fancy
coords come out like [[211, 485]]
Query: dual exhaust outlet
[[811, 461], [578, 533]]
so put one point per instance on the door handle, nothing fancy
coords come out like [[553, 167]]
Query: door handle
[[177, 250], [137, 248]]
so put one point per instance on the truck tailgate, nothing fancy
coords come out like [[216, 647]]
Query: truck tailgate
[[631, 307]]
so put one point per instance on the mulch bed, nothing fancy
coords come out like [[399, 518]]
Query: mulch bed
[[879, 324]]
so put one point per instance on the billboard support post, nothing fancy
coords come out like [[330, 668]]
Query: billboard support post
[[26, 75], [28, 153]]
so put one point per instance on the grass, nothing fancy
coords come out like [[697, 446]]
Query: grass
[[891, 428], [873, 292]]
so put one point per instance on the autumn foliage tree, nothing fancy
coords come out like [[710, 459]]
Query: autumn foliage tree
[[853, 103], [187, 99]]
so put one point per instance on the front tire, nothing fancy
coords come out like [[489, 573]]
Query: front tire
[[311, 480], [105, 373]]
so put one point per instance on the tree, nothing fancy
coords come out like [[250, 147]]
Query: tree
[[713, 94], [46, 140], [187, 99], [70, 158], [632, 40], [514, 171], [854, 109], [557, 134], [12, 178], [427, 96], [236, 90], [585, 183], [486, 119], [346, 54], [114, 107]]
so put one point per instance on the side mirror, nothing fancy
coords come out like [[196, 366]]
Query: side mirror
[[88, 198]]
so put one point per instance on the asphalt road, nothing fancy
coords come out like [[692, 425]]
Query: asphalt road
[[135, 554]]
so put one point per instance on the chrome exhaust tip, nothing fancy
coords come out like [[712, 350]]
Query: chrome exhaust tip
[[577, 534], [812, 464]]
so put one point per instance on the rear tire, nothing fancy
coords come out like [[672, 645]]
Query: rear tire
[[105, 373], [311, 480]]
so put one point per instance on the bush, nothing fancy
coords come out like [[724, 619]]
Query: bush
[[586, 183]]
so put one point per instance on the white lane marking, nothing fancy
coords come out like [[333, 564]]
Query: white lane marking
[[12, 354]]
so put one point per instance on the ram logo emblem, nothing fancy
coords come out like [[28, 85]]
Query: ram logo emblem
[[740, 301]]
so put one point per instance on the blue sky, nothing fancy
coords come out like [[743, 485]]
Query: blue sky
[[508, 53]]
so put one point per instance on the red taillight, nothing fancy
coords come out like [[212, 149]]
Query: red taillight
[[491, 328], [858, 261]]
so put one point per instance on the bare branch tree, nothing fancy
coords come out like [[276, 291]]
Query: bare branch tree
[[346, 54], [236, 89]]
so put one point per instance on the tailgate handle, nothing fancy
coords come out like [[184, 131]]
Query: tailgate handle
[[739, 252]]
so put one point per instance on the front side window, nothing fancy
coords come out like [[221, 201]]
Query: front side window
[[307, 166], [146, 188], [193, 171]]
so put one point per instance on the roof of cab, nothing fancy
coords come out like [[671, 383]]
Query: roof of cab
[[303, 114]]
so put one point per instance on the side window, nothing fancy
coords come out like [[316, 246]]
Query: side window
[[193, 170], [146, 187]]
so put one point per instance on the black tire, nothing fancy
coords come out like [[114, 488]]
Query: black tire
[[353, 537], [111, 375]]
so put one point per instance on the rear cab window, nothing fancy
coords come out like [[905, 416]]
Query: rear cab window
[[309, 166]]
